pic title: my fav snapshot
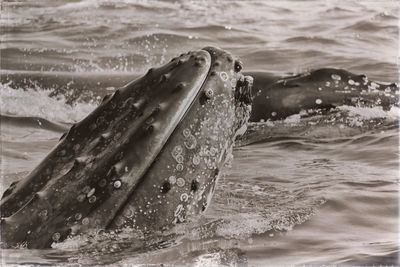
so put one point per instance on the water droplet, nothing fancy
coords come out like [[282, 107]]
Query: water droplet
[[91, 192], [211, 164], [196, 159], [233, 82], [273, 114], [128, 213], [186, 132], [180, 182], [85, 221], [213, 151], [223, 76], [78, 216], [319, 89], [191, 142], [178, 210], [209, 92], [184, 197], [43, 213], [81, 197], [351, 82], [172, 179], [56, 237], [179, 158], [92, 199], [179, 167], [336, 77], [117, 184], [102, 182], [177, 150], [327, 84], [318, 101], [86, 189]]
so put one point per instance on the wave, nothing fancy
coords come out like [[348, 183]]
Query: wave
[[343, 121], [33, 122], [37, 104], [367, 26], [314, 39], [43, 108]]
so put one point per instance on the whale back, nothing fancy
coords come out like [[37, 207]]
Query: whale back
[[91, 173]]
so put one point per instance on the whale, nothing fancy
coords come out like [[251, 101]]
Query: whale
[[276, 97], [148, 157]]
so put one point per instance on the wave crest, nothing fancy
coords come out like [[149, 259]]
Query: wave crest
[[34, 102]]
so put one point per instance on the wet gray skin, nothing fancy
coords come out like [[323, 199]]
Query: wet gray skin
[[148, 157], [276, 97]]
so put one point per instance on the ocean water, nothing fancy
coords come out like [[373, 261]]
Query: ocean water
[[321, 190]]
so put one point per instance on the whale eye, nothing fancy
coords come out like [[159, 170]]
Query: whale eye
[[238, 66]]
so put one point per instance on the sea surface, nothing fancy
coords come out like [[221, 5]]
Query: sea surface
[[321, 191]]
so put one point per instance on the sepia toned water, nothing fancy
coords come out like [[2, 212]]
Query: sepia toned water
[[319, 190]]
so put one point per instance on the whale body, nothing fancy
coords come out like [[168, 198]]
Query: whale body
[[276, 97], [148, 157]]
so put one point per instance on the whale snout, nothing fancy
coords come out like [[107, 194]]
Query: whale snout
[[233, 81]]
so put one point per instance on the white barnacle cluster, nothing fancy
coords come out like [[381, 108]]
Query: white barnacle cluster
[[336, 79], [353, 83], [210, 156], [177, 154], [365, 80], [190, 141], [373, 87], [224, 76]]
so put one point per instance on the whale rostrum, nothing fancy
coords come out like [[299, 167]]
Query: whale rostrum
[[148, 157]]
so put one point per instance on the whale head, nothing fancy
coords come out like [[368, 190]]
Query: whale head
[[147, 158], [181, 181]]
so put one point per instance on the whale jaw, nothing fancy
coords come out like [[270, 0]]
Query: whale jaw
[[178, 120]]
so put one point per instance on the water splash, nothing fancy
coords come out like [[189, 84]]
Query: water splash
[[34, 102]]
